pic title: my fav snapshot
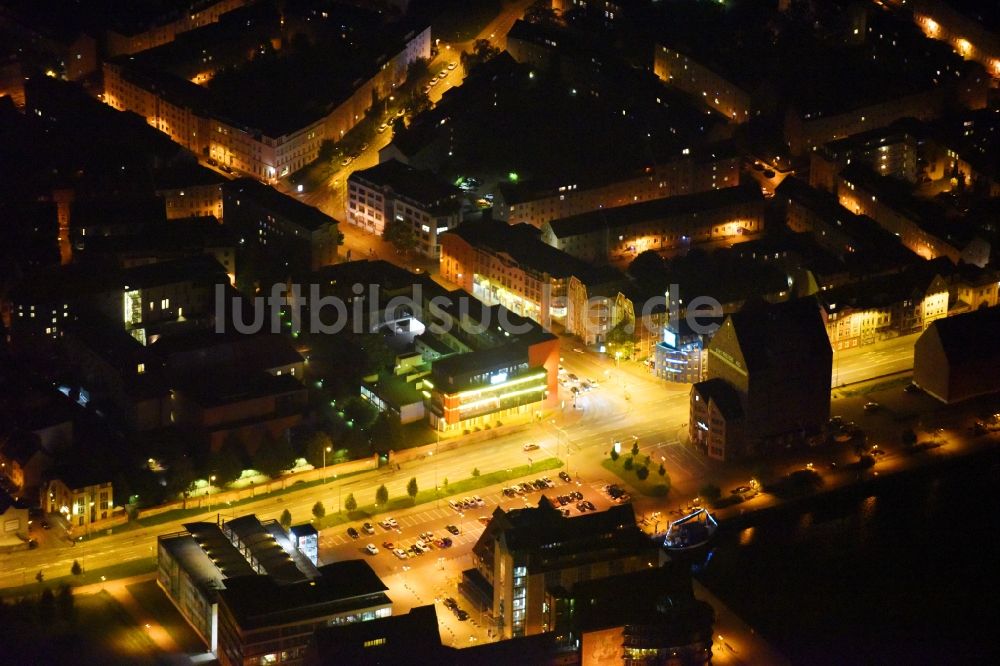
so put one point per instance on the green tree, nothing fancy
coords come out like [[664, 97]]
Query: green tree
[[319, 510], [400, 234], [228, 462], [381, 495], [444, 482], [642, 472], [181, 474], [360, 412], [621, 339], [475, 472], [39, 576], [635, 448], [65, 603], [273, 456], [47, 607], [76, 569], [648, 266], [662, 471], [614, 454], [628, 463], [909, 437], [286, 519], [386, 432], [710, 491], [411, 488], [317, 443], [482, 51], [350, 504], [418, 71]]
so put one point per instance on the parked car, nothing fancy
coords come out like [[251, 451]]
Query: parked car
[[461, 615], [871, 406], [351, 532], [368, 528], [454, 530], [450, 603], [400, 553], [371, 549], [530, 446], [455, 505], [565, 476]]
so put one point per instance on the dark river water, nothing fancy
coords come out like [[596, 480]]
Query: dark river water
[[902, 571]]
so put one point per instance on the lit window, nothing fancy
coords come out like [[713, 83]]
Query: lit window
[[140, 368]]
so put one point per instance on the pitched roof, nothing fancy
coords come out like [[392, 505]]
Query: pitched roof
[[970, 337], [778, 334], [723, 395], [522, 244], [686, 204]]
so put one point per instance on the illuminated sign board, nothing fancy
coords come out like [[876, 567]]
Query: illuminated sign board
[[669, 338]]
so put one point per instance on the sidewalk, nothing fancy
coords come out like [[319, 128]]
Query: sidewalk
[[735, 642]]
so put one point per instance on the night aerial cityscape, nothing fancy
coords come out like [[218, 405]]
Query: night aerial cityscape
[[487, 332]]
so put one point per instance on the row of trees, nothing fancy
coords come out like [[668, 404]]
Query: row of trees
[[351, 504], [639, 464]]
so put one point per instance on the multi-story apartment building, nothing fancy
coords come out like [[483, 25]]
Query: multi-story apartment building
[[280, 225], [396, 193], [886, 306], [524, 553], [80, 495], [888, 151], [971, 39], [509, 266], [692, 170], [591, 297], [703, 83], [661, 224], [190, 191], [920, 226], [241, 135], [957, 358], [775, 363], [137, 30]]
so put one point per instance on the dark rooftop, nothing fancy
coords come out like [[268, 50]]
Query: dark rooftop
[[687, 204], [416, 184], [724, 396], [258, 601], [521, 243], [781, 334], [265, 196], [970, 337], [413, 638]]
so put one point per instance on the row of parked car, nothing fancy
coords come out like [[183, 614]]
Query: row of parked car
[[466, 503], [452, 605]]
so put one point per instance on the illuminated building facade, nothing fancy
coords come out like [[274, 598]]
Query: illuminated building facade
[[693, 170], [662, 224], [969, 38], [511, 382], [884, 307], [920, 226], [702, 83], [891, 151], [265, 145], [590, 301], [396, 193], [81, 498], [681, 355], [509, 266]]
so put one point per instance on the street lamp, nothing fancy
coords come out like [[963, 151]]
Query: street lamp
[[208, 491], [325, 451]]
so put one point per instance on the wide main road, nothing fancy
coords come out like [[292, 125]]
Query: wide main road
[[628, 403]]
